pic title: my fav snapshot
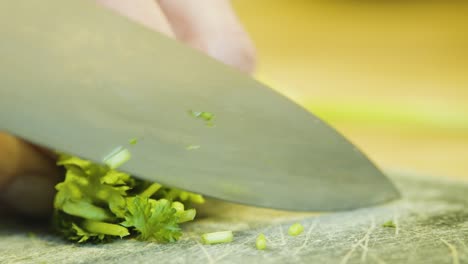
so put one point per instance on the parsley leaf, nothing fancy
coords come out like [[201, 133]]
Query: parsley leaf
[[153, 219], [389, 223]]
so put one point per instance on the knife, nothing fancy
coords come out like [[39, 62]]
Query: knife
[[80, 79]]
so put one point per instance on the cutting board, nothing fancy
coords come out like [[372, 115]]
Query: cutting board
[[431, 227]]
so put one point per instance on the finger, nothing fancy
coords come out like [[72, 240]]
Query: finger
[[28, 173], [146, 12], [27, 176], [211, 26]]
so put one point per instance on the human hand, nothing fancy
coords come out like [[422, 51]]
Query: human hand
[[28, 173]]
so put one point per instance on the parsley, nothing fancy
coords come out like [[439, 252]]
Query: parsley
[[206, 116], [153, 219], [389, 223], [117, 157], [192, 147], [295, 229], [96, 203], [217, 237], [261, 242]]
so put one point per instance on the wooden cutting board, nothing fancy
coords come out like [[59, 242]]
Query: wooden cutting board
[[431, 227]]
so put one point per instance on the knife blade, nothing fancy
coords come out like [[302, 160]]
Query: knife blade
[[84, 80]]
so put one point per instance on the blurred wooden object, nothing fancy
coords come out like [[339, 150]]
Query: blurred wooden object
[[397, 54]]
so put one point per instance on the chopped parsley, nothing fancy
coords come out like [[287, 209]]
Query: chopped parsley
[[117, 157], [96, 203], [217, 237], [260, 243], [193, 147], [296, 229], [206, 116], [389, 223]]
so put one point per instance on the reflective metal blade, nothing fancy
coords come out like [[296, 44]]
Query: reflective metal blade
[[84, 80]]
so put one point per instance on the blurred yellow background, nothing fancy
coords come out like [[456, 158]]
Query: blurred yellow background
[[391, 76]]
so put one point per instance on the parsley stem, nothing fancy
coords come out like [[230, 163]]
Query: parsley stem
[[152, 189], [105, 228], [117, 157], [85, 210], [217, 237]]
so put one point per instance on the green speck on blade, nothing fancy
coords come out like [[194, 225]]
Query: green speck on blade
[[207, 116], [296, 229], [389, 223], [133, 141], [192, 147], [117, 157], [32, 235]]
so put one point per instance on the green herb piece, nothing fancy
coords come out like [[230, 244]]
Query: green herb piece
[[151, 190], [133, 141], [185, 216], [295, 229], [260, 243], [117, 157], [83, 235], [92, 191], [178, 206], [182, 214], [105, 228], [217, 237], [181, 195], [153, 219], [207, 116], [192, 147], [96, 203], [86, 210], [389, 223], [67, 226]]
